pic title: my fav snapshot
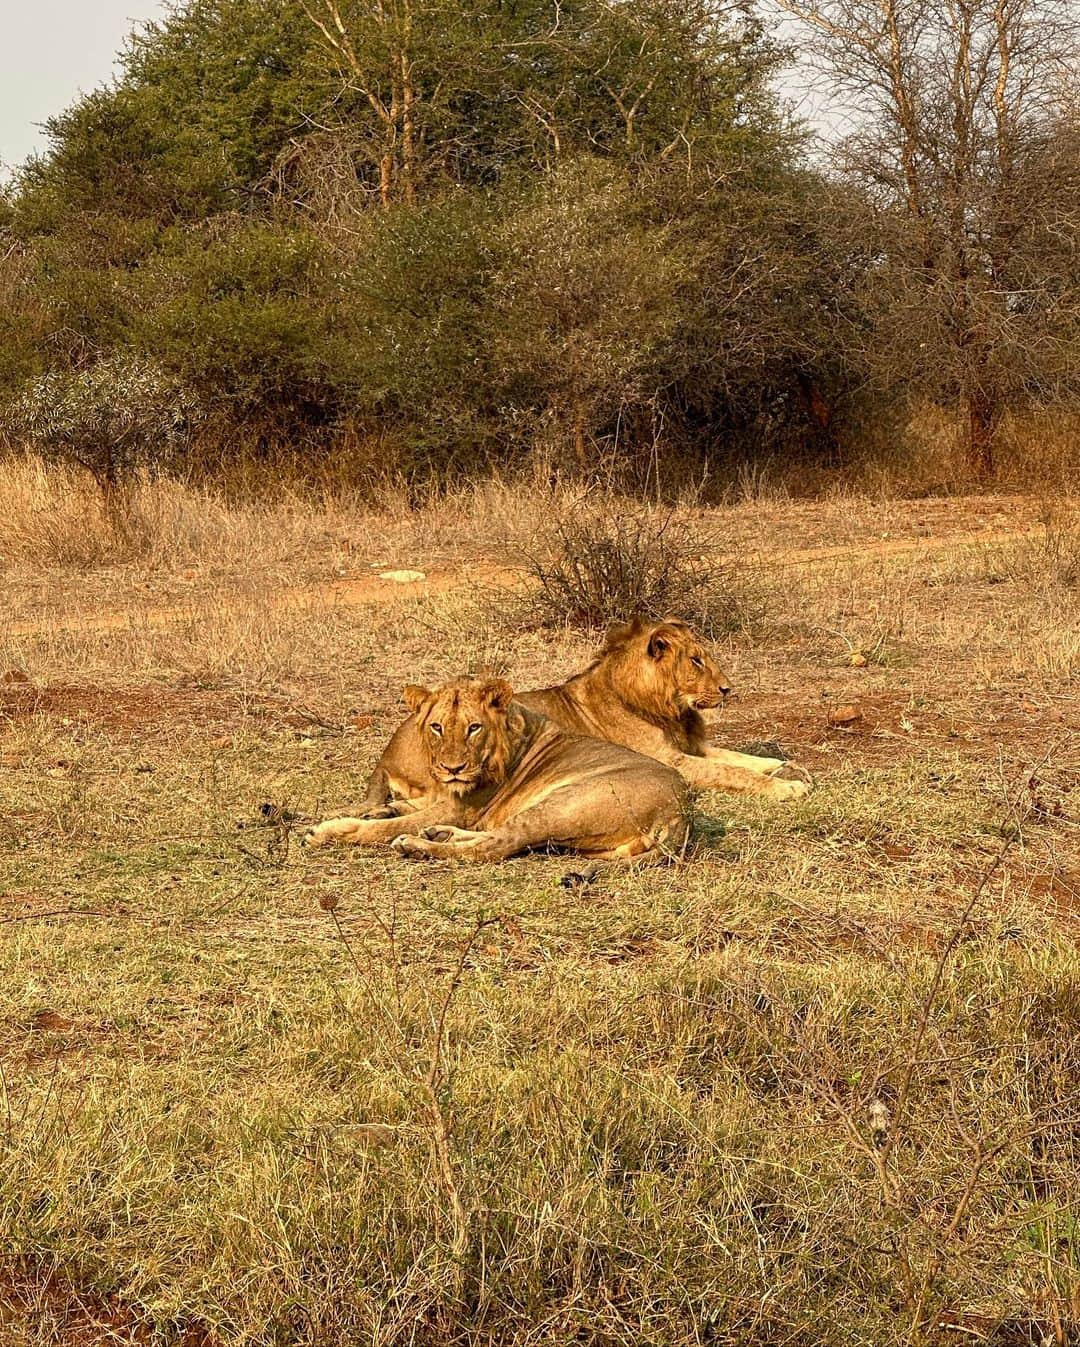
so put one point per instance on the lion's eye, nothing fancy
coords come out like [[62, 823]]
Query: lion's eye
[[697, 662], [474, 728], [435, 729]]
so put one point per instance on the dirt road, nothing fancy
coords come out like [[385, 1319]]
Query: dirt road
[[370, 589]]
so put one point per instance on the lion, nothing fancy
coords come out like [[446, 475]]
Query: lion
[[495, 778], [646, 691]]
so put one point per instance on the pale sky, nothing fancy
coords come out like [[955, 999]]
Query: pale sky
[[50, 51]]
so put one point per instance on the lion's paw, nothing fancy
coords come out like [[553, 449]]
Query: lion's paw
[[407, 845], [437, 832], [791, 771], [790, 782]]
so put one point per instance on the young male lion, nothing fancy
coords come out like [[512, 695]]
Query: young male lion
[[491, 778], [646, 691]]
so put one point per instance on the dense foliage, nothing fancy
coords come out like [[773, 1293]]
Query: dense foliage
[[443, 232]]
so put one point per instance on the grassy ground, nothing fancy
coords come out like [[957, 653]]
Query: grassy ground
[[819, 1084]]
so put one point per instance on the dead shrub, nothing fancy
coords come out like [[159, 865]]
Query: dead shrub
[[1058, 548], [597, 565], [1049, 562]]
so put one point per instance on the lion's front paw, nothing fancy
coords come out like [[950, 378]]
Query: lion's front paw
[[312, 839], [407, 845], [791, 771], [787, 788]]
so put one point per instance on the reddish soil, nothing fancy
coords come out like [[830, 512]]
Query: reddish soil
[[139, 712]]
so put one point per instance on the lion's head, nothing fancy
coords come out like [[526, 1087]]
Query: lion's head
[[663, 667], [467, 728]]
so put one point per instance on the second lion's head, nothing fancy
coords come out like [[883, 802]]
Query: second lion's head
[[663, 667]]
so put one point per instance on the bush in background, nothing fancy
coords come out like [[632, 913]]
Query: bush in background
[[471, 237], [597, 565], [117, 417]]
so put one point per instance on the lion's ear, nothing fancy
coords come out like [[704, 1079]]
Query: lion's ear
[[497, 693], [659, 644], [415, 696], [621, 632], [616, 634]]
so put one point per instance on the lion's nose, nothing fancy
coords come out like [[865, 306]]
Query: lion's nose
[[453, 771], [723, 688]]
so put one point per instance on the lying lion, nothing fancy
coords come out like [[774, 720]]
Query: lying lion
[[492, 778], [645, 691]]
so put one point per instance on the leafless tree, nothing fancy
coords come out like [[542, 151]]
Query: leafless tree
[[960, 130]]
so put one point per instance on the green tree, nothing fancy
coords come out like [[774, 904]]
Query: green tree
[[468, 225]]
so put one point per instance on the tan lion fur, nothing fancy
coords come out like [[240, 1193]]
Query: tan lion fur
[[645, 690], [494, 778]]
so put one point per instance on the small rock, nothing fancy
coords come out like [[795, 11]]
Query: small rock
[[575, 880], [403, 577], [857, 659], [844, 715]]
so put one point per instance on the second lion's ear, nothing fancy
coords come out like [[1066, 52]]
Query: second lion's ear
[[621, 632], [415, 696], [658, 645], [498, 694]]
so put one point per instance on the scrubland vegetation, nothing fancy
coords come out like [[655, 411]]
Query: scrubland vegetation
[[559, 305], [412, 240], [818, 1083]]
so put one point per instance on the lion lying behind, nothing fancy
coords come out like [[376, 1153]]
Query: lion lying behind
[[491, 778], [646, 691]]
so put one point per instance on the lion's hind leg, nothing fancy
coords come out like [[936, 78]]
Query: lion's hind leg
[[447, 844], [445, 832], [651, 832], [356, 832], [528, 831]]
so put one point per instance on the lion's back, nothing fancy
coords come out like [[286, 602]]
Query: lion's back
[[600, 773], [604, 710]]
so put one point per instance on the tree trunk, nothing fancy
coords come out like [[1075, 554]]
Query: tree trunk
[[983, 417], [386, 179], [408, 99], [580, 451]]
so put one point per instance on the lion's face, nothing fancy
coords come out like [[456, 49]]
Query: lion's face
[[465, 729], [671, 662]]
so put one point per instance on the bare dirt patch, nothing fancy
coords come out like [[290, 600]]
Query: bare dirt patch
[[147, 711], [36, 1301]]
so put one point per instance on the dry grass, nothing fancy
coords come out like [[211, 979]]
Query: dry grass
[[654, 1110], [1049, 561], [54, 517]]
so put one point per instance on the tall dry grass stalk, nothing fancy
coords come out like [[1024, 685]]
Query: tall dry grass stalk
[[55, 516]]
